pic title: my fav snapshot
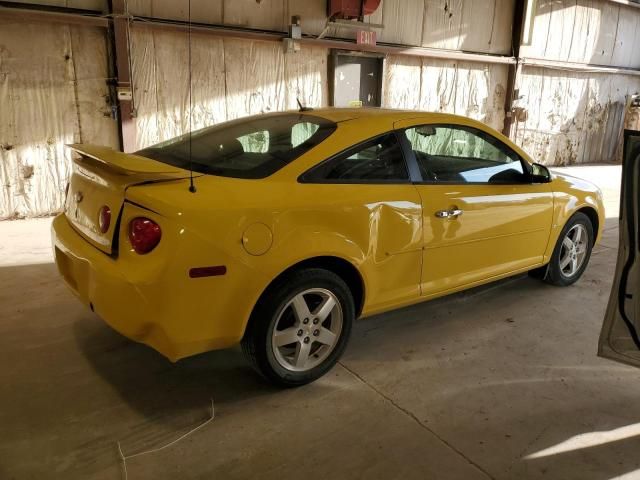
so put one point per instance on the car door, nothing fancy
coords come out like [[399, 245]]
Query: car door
[[482, 216], [619, 338]]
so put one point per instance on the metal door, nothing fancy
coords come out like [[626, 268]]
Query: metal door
[[357, 81]]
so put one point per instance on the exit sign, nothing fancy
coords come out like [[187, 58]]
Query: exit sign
[[366, 37]]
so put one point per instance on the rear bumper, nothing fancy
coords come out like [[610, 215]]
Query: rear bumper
[[171, 313]]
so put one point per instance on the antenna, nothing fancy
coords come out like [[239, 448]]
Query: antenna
[[302, 108], [192, 187]]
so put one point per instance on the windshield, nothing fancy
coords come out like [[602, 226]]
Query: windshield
[[252, 147]]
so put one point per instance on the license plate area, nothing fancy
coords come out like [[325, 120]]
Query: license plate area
[[73, 270]]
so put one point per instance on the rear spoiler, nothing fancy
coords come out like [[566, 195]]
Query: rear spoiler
[[123, 163]]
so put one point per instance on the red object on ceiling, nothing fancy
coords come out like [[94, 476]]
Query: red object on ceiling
[[351, 8]]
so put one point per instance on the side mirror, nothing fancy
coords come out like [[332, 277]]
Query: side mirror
[[540, 174]]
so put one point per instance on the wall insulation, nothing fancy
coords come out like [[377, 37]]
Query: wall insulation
[[230, 78], [53, 92], [474, 90], [573, 117]]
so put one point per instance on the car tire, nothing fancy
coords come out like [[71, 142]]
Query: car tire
[[320, 333], [572, 251]]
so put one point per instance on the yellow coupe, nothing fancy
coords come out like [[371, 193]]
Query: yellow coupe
[[277, 231]]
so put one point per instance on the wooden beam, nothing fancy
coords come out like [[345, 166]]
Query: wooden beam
[[412, 51], [511, 92], [47, 16], [578, 67]]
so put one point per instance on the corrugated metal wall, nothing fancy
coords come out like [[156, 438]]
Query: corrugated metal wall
[[474, 25], [586, 31]]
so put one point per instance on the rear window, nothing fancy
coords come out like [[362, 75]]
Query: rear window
[[252, 147]]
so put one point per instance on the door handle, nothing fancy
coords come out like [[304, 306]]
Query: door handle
[[453, 213]]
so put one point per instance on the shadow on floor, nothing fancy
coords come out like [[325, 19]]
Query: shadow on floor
[[148, 382]]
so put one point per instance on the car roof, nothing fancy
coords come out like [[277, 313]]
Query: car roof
[[391, 115], [387, 117]]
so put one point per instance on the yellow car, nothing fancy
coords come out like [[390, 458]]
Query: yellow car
[[277, 231]]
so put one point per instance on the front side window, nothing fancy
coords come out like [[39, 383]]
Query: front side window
[[455, 154], [376, 161], [252, 147]]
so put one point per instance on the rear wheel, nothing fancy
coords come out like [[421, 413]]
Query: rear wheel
[[300, 327], [572, 251]]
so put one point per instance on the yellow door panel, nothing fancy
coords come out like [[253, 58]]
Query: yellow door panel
[[501, 228], [481, 216]]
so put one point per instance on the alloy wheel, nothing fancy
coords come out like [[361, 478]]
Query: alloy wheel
[[307, 329], [574, 250]]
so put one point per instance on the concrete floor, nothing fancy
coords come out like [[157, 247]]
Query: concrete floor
[[500, 382]]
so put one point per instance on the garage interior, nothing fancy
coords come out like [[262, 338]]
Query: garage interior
[[499, 382]]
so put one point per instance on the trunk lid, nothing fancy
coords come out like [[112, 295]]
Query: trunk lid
[[100, 178]]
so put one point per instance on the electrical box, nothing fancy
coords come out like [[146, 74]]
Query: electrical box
[[124, 93]]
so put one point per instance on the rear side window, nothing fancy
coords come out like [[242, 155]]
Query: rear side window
[[379, 160], [252, 147]]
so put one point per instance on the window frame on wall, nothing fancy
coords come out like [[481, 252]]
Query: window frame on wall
[[333, 63], [315, 173], [416, 171]]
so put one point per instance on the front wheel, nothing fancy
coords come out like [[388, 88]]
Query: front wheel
[[300, 327], [572, 252]]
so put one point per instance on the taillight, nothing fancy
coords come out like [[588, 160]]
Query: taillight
[[144, 234], [104, 219]]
